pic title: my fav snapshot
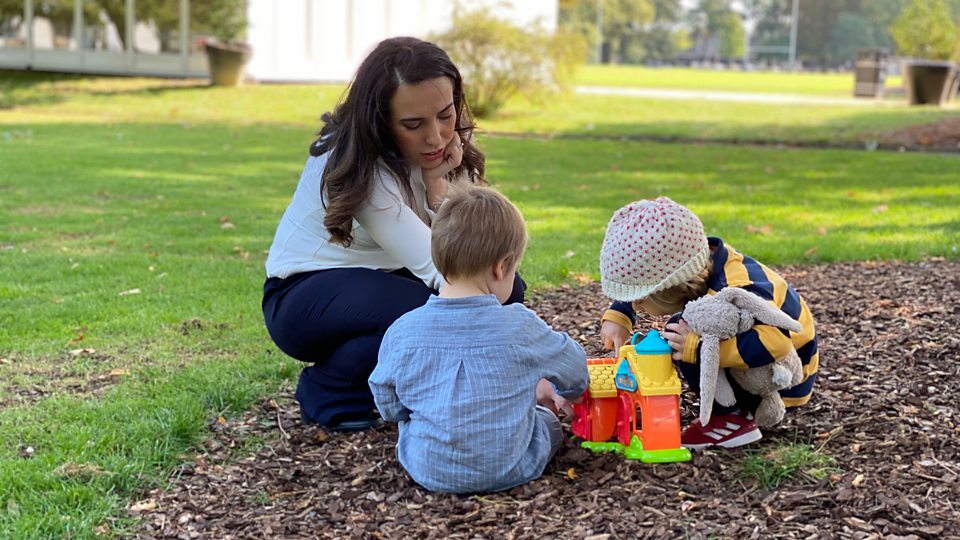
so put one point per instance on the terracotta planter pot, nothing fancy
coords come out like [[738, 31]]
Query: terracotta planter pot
[[929, 82], [227, 63]]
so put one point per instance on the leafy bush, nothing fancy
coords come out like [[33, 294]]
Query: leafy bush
[[225, 20], [925, 29], [499, 60]]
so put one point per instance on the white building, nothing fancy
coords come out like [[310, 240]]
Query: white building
[[293, 40]]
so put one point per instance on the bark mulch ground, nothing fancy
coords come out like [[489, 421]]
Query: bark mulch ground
[[943, 135], [885, 410]]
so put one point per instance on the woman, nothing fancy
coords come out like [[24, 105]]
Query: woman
[[352, 251]]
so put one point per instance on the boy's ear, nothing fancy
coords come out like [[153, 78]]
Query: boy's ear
[[501, 268]]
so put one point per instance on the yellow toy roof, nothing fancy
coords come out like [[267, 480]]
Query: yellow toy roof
[[602, 374]]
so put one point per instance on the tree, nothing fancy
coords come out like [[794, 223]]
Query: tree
[[662, 42], [925, 29], [771, 25], [621, 24], [716, 19], [817, 19], [664, 37], [850, 32], [882, 14], [732, 36]]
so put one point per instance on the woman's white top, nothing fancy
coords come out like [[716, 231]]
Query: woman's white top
[[389, 232]]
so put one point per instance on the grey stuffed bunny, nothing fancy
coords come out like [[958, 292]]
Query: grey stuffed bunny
[[722, 316]]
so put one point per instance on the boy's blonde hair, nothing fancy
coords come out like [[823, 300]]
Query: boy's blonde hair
[[674, 299], [475, 228]]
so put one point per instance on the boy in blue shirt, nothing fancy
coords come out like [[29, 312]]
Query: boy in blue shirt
[[463, 375]]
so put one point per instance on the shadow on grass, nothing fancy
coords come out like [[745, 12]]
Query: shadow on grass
[[33, 88], [754, 124]]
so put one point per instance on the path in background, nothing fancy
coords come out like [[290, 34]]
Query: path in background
[[742, 97]]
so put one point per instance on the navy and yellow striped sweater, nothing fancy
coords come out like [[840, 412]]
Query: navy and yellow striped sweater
[[762, 343]]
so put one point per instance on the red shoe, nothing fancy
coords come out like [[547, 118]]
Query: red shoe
[[725, 430]]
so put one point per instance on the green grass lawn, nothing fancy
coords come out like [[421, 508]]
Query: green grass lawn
[[135, 215], [40, 98], [619, 116], [814, 84]]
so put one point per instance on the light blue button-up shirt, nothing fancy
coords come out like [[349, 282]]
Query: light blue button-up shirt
[[459, 376]]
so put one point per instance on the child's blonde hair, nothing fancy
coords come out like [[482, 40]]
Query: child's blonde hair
[[673, 299], [474, 229]]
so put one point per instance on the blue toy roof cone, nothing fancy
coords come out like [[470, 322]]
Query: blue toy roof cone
[[652, 344]]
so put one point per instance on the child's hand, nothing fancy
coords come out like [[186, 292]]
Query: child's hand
[[548, 397], [613, 335], [676, 336]]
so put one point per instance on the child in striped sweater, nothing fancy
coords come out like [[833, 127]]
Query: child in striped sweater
[[655, 258]]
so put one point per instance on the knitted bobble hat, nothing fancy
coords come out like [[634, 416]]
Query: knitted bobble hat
[[651, 246]]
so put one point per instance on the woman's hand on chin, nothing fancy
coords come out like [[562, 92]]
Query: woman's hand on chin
[[452, 156]]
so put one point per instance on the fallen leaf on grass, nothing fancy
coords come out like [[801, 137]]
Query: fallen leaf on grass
[[763, 229], [74, 470], [129, 292], [82, 352], [809, 253], [140, 507], [119, 372], [581, 278]]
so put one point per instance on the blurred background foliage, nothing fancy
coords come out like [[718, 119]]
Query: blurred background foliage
[[828, 31]]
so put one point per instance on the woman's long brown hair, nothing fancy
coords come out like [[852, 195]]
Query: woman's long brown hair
[[357, 133]]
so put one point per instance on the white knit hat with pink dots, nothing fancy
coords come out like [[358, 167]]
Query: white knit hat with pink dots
[[651, 246]]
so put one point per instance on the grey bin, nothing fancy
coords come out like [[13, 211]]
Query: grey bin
[[870, 72]]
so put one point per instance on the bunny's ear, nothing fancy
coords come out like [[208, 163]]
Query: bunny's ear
[[759, 309], [709, 371]]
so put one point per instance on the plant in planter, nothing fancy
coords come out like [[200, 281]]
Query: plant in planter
[[227, 54], [925, 31]]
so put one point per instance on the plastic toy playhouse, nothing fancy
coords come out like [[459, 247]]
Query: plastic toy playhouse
[[642, 378]]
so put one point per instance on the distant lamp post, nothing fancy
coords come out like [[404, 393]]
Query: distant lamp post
[[794, 19], [790, 50], [599, 31]]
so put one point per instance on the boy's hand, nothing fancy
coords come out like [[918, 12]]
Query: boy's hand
[[548, 397], [676, 336], [613, 335]]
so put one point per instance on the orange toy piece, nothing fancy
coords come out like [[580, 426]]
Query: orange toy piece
[[644, 379]]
